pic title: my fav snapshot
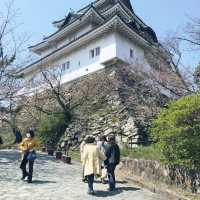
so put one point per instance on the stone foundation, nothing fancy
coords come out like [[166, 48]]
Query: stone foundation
[[158, 176]]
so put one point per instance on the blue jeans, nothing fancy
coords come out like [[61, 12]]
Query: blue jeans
[[111, 176], [23, 167], [90, 179]]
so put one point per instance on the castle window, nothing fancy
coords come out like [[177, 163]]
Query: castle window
[[92, 53], [65, 65], [97, 51], [131, 53], [68, 64]]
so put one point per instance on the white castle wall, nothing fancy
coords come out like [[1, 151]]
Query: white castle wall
[[123, 49], [80, 61], [111, 46]]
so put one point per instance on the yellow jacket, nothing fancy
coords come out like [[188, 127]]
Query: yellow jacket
[[28, 144], [92, 158]]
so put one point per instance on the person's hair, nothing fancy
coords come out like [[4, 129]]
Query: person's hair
[[31, 133], [90, 140], [103, 138], [111, 139]]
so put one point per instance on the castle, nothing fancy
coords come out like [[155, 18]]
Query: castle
[[105, 38], [101, 34]]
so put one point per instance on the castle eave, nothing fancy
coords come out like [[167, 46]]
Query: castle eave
[[59, 23], [90, 16], [117, 9]]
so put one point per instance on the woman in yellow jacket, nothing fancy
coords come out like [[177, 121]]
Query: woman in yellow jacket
[[92, 158], [28, 147]]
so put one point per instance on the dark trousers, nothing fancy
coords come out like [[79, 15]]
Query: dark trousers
[[111, 176], [90, 179], [23, 167]]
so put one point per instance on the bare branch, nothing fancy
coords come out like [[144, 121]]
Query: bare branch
[[188, 40]]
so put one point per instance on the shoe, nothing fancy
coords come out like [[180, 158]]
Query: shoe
[[91, 192], [24, 176], [111, 189], [29, 181]]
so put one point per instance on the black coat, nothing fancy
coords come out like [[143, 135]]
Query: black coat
[[1, 140], [18, 136], [112, 154]]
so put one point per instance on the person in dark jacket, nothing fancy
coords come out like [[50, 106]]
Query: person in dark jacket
[[113, 159], [1, 140], [18, 136]]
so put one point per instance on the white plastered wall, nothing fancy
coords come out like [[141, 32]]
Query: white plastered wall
[[80, 62]]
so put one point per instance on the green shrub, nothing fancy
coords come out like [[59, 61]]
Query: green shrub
[[51, 128], [176, 132], [8, 140]]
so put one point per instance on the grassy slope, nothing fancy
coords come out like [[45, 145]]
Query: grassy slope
[[147, 153]]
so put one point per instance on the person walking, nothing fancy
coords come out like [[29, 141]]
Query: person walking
[[92, 158], [113, 159], [28, 147], [102, 145], [1, 140]]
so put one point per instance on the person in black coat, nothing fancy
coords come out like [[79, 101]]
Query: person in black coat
[[1, 140], [113, 159], [18, 136]]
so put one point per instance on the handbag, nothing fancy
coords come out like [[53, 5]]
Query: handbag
[[31, 156]]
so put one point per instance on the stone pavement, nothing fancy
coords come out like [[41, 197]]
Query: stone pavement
[[54, 180]]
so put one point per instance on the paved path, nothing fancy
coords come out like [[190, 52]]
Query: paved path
[[54, 180]]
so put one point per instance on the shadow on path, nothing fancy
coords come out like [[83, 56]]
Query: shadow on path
[[128, 188], [119, 190], [9, 155], [119, 182], [99, 193], [40, 182]]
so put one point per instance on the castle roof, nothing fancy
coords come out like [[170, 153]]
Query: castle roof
[[96, 4], [100, 11]]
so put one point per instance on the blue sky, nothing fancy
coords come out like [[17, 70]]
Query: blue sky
[[163, 16]]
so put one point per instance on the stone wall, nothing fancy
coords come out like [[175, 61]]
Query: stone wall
[[115, 99], [158, 175], [120, 101]]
